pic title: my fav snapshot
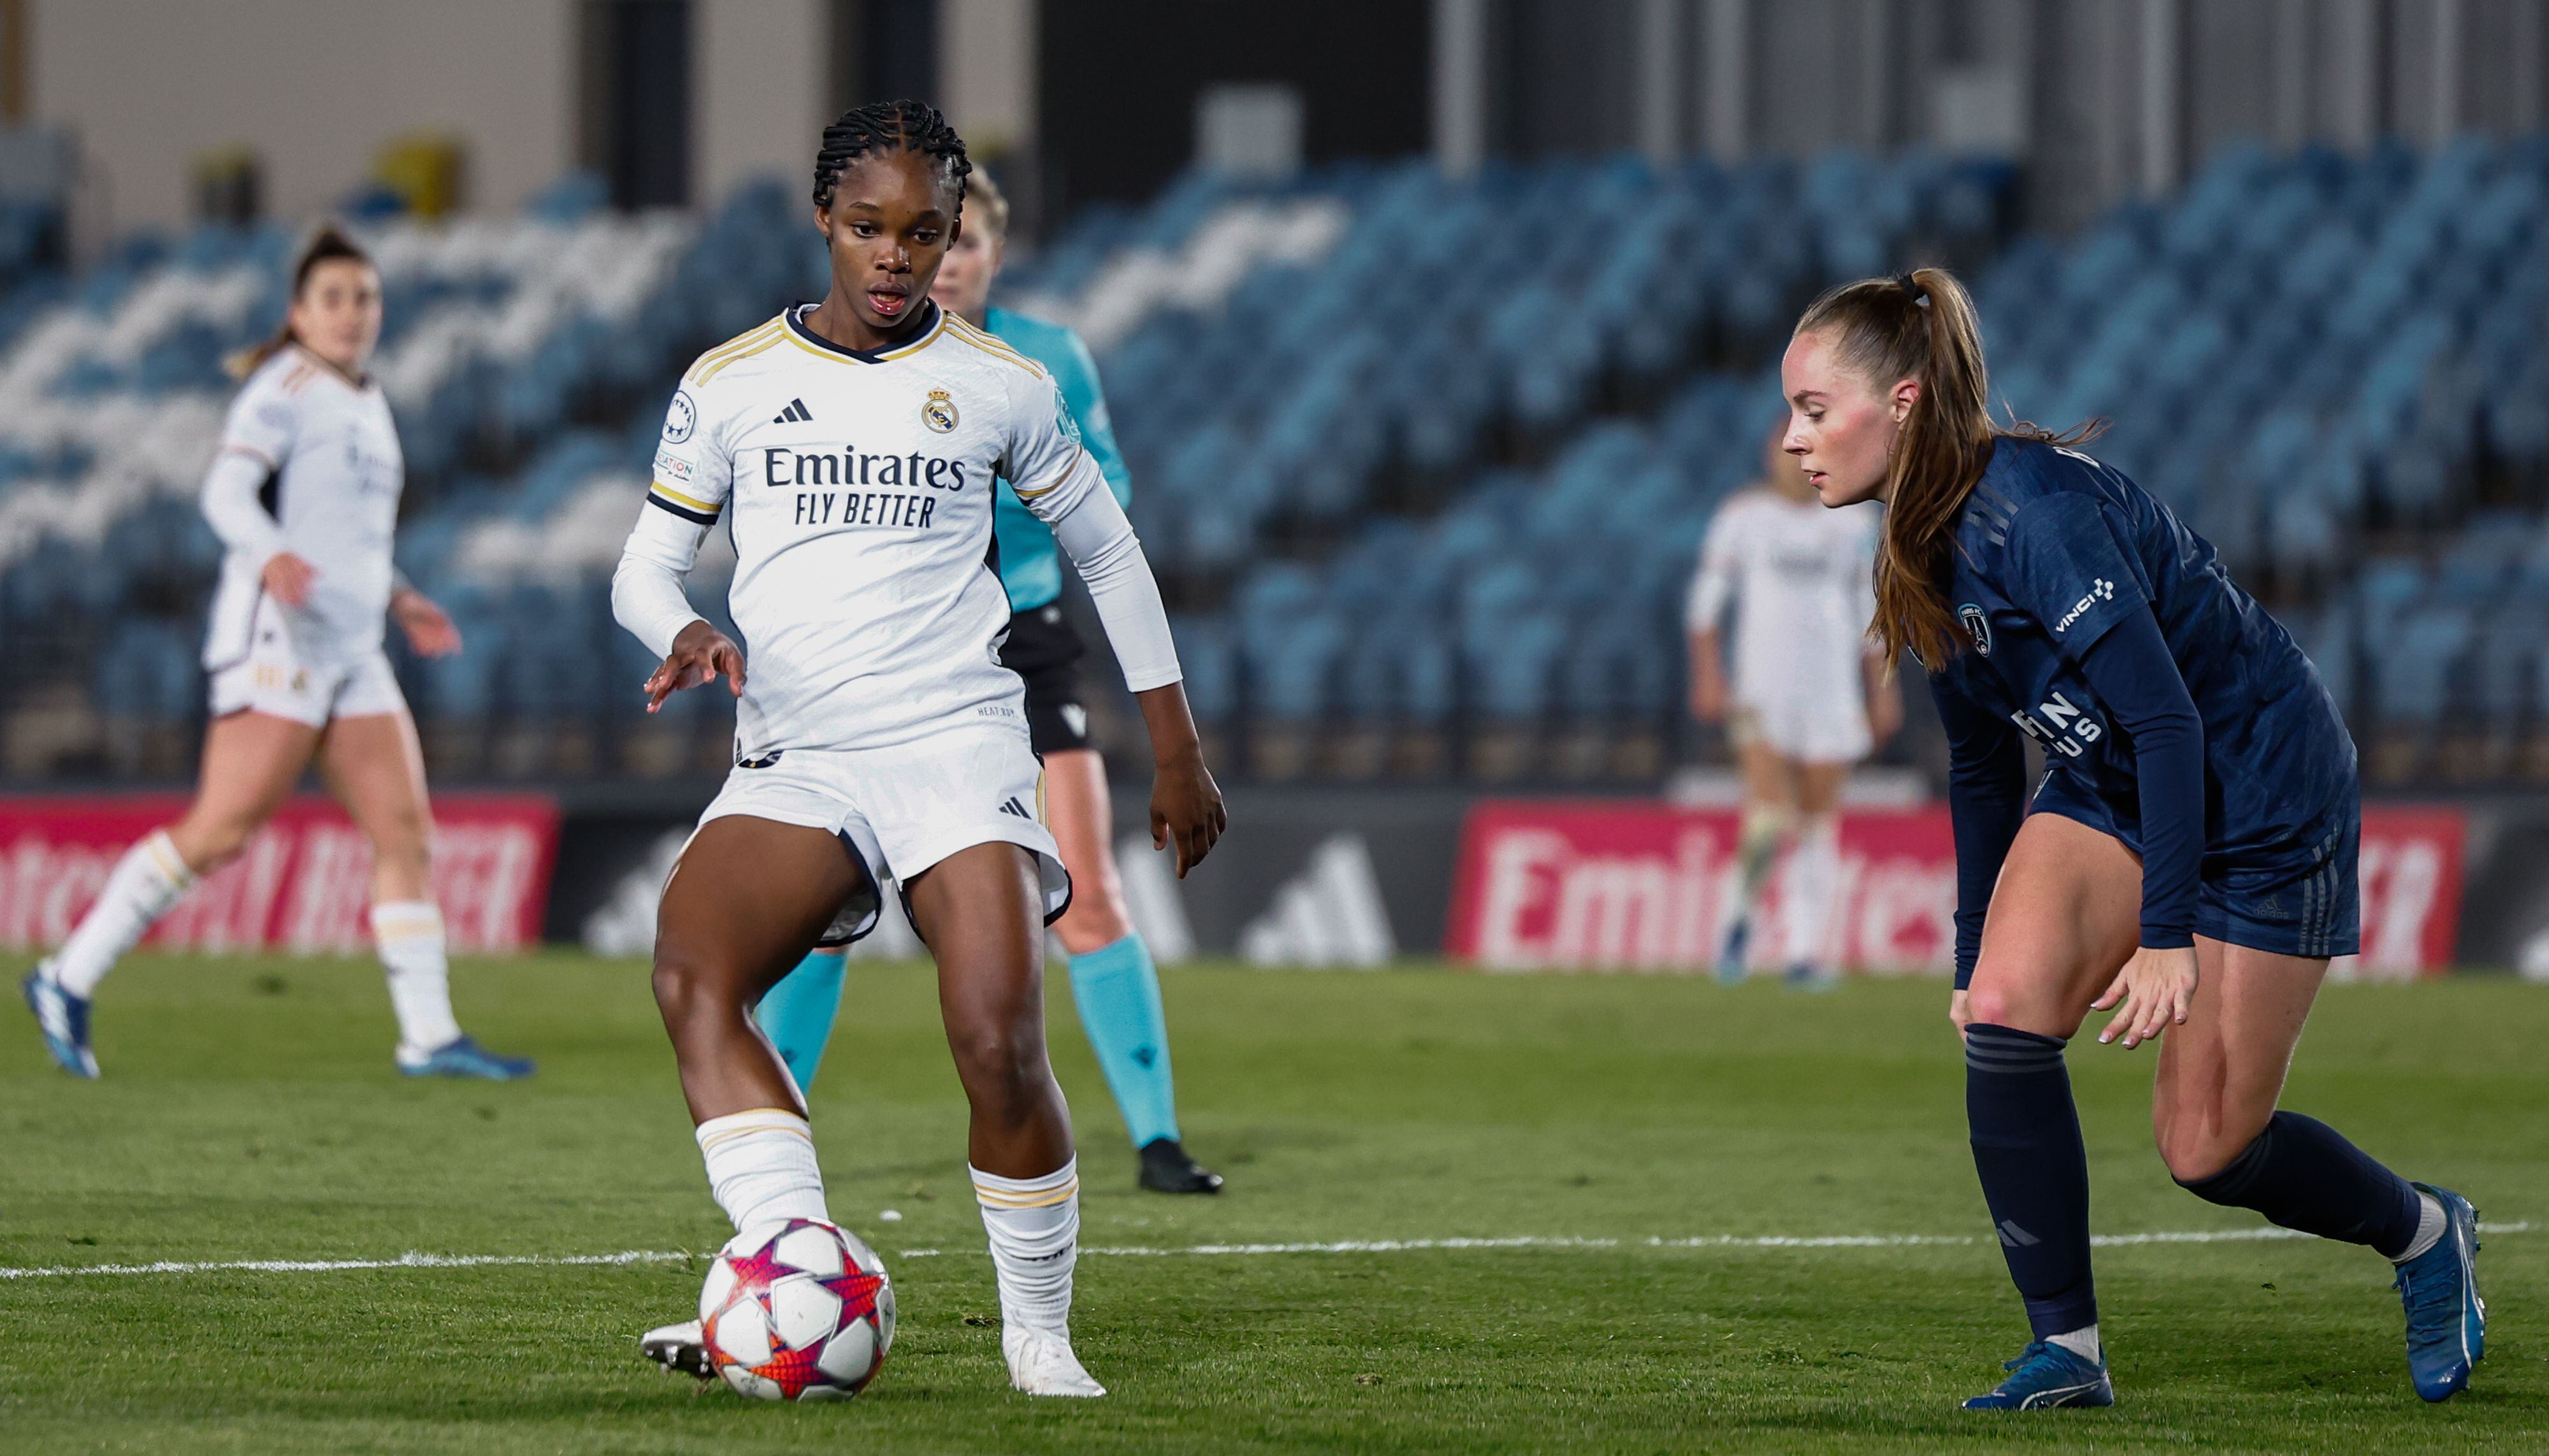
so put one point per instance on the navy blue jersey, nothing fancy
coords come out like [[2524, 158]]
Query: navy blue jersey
[[2052, 550]]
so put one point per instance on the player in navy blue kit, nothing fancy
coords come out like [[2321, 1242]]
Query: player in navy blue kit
[[2189, 859]]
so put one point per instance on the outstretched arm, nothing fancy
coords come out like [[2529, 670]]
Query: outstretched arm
[[1185, 804]]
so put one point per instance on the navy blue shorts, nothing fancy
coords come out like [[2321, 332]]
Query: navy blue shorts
[[2301, 897]]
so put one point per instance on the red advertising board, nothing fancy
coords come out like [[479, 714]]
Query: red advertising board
[[303, 884], [1595, 885]]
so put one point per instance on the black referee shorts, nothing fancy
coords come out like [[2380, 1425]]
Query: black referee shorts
[[1045, 649]]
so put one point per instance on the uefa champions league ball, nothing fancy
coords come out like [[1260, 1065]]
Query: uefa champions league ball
[[798, 1311]]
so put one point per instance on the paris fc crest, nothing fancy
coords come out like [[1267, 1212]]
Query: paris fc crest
[[1977, 626]]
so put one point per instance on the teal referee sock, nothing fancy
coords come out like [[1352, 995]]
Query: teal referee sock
[[1117, 990], [797, 1014]]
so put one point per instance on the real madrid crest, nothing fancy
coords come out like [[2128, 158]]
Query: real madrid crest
[[1977, 626], [938, 412]]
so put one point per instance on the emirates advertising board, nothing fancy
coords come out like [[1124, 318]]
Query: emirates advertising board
[[1589, 886], [303, 884]]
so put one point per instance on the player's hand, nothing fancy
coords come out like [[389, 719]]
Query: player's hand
[[2152, 993], [287, 579], [700, 654], [1957, 1014], [1185, 807], [427, 627]]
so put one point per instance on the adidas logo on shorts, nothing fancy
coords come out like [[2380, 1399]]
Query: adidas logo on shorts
[[1014, 807]]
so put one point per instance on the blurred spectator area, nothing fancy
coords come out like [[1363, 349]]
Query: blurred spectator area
[[1424, 502]]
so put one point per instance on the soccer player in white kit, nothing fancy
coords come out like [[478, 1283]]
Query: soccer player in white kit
[[304, 492], [851, 448], [1810, 696]]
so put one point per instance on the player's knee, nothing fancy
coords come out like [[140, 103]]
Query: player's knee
[[211, 842], [2195, 1153], [1004, 1070], [1991, 1006], [685, 984]]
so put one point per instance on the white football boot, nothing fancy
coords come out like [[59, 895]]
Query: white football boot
[[1041, 1364], [682, 1348]]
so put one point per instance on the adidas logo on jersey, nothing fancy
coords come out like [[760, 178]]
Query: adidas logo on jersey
[[1014, 807], [794, 413]]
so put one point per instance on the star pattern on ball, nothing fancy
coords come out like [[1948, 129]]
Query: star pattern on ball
[[792, 1370]]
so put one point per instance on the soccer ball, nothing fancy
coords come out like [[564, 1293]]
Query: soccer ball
[[798, 1311]]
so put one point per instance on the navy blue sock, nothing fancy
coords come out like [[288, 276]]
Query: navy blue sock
[[2035, 1171], [2303, 1174]]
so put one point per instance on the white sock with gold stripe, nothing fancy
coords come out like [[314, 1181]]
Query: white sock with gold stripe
[[409, 936], [1034, 1225], [762, 1168], [146, 883]]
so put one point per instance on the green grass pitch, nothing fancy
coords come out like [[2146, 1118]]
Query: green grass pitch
[[250, 1112]]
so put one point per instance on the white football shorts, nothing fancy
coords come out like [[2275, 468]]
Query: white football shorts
[[906, 807], [274, 679], [1813, 728]]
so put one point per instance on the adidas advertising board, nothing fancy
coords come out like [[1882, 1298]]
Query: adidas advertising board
[[1341, 878]]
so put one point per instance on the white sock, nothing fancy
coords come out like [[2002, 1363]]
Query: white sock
[[1034, 1225], [409, 936], [2082, 1342], [147, 881], [1806, 901], [762, 1168], [2429, 1227]]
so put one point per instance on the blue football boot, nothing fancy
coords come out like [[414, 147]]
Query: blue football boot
[[462, 1056], [2446, 1319], [63, 1019], [2044, 1376]]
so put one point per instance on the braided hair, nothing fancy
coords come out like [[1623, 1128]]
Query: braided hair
[[890, 126]]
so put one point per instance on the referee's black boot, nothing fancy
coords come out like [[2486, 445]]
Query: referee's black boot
[[1166, 1168]]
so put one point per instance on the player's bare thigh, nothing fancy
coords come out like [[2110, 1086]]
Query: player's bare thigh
[[2065, 918], [1078, 811], [251, 761], [745, 901], [2220, 1074], [376, 770]]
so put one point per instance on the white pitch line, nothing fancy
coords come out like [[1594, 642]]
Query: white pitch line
[[413, 1260], [407, 1261]]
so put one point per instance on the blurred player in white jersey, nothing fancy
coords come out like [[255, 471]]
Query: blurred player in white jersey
[[1809, 697], [304, 492], [852, 445]]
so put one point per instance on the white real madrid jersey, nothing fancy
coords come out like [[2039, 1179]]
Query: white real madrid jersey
[[858, 489], [333, 476], [1798, 575]]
